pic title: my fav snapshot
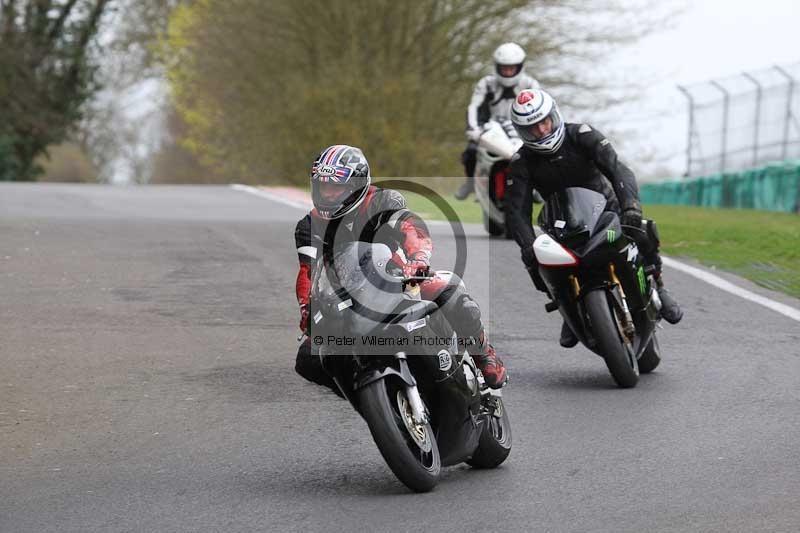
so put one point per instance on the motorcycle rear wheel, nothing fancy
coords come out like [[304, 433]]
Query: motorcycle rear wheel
[[414, 459], [651, 356], [495, 440], [619, 357]]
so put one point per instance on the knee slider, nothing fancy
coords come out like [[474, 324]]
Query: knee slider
[[308, 364]]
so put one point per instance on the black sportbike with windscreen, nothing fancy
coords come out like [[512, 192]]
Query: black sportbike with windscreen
[[598, 280], [400, 364]]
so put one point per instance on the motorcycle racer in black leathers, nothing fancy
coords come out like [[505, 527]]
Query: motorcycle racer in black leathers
[[348, 208], [556, 155]]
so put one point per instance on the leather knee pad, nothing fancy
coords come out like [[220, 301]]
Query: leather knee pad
[[471, 308], [466, 316], [463, 313]]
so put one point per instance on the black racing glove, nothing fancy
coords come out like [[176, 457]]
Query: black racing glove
[[418, 264]]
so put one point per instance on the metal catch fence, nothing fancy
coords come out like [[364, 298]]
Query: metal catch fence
[[743, 121]]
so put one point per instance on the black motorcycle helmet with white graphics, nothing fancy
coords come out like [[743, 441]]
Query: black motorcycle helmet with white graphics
[[339, 180], [536, 118], [508, 62]]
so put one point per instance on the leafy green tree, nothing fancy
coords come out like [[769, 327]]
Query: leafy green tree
[[46, 75], [263, 86]]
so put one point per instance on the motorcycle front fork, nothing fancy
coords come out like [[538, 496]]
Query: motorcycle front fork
[[628, 328], [418, 410]]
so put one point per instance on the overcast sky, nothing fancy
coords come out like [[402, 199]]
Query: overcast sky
[[711, 39], [716, 37]]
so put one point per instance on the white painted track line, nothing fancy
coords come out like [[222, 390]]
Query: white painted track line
[[727, 286], [702, 275], [271, 196]]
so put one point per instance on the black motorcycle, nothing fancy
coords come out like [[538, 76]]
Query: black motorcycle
[[597, 278], [401, 366]]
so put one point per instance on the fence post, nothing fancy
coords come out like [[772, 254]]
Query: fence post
[[758, 115], [726, 104], [685, 91], [788, 110]]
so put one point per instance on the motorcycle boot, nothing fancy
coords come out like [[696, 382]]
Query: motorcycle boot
[[649, 242], [670, 310], [568, 338], [466, 189], [491, 366]]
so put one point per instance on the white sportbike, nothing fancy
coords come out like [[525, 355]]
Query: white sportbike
[[496, 146]]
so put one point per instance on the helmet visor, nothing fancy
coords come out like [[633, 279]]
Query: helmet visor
[[508, 71], [332, 193], [542, 130], [328, 195]]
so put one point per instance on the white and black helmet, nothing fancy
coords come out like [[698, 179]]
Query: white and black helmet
[[531, 107], [339, 180], [509, 54]]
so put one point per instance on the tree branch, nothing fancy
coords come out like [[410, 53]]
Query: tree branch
[[58, 24]]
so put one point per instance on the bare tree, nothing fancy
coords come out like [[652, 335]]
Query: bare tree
[[123, 126]]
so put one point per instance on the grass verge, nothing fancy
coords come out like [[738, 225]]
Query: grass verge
[[761, 246]]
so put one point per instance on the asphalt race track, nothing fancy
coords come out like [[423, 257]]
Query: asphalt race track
[[147, 344]]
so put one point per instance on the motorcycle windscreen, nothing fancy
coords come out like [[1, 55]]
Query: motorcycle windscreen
[[368, 295], [571, 215]]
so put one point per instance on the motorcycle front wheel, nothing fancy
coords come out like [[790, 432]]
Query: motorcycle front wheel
[[493, 228], [408, 448], [618, 355]]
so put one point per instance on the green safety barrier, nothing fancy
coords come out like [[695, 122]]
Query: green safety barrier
[[775, 187]]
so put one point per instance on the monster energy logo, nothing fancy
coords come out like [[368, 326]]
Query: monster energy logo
[[642, 283], [611, 235]]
